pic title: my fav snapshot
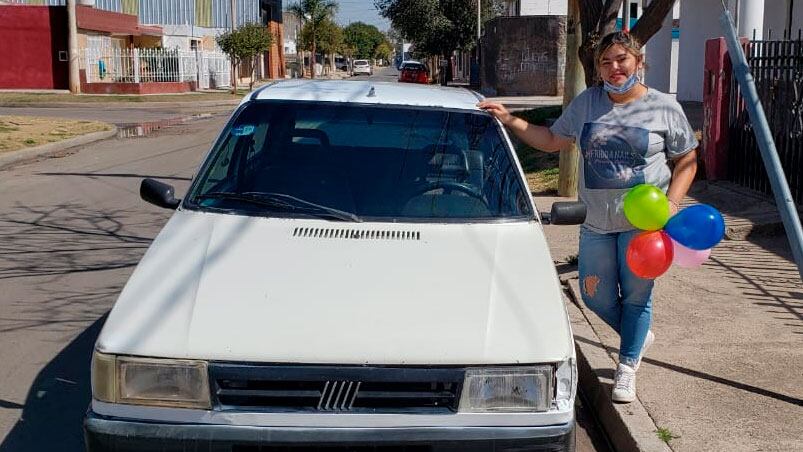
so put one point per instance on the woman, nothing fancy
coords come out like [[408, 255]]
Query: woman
[[628, 134]]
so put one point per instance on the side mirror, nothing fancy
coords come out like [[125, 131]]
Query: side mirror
[[565, 213], [158, 194]]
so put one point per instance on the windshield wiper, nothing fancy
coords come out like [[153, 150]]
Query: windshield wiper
[[281, 201], [306, 205]]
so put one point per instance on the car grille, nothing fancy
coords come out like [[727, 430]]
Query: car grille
[[335, 389]]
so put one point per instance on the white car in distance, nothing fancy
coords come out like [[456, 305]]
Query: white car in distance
[[355, 265], [362, 67]]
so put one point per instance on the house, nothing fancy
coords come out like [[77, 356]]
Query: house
[[33, 41], [184, 27]]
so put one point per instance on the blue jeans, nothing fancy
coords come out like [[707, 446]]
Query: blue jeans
[[613, 292]]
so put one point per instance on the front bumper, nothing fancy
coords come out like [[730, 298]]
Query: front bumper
[[122, 435]]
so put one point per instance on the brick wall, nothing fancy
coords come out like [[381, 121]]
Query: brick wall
[[524, 56]]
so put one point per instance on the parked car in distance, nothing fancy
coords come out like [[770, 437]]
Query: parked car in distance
[[362, 67], [413, 72], [356, 265], [341, 64]]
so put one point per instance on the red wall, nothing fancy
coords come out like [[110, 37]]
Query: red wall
[[30, 40]]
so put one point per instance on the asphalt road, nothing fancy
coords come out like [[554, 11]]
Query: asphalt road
[[71, 231]]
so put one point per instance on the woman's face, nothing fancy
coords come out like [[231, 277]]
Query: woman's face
[[617, 65]]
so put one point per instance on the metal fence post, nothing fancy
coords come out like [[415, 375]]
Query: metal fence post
[[88, 70], [180, 60], [135, 54]]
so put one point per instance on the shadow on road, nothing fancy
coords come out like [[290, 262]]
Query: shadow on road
[[56, 403]]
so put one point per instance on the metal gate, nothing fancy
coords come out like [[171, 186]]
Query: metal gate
[[777, 67]]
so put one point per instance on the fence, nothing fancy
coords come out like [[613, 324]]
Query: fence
[[777, 67], [119, 65]]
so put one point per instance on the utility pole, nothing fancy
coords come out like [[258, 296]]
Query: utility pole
[[72, 47], [233, 64], [574, 84]]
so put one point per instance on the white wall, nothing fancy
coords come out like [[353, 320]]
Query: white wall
[[775, 14], [698, 23], [659, 62], [544, 7]]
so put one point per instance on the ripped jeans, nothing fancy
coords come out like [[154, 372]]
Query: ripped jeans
[[613, 292]]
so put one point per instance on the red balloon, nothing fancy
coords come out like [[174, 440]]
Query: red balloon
[[650, 254]]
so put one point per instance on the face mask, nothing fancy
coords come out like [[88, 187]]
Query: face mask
[[628, 85]]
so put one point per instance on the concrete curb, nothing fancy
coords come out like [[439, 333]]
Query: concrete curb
[[103, 105], [22, 155], [628, 426]]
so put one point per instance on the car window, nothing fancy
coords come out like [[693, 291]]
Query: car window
[[360, 62], [383, 163], [414, 66]]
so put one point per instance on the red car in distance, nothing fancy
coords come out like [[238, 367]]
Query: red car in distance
[[413, 72]]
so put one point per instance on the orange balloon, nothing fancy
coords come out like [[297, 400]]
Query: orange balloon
[[650, 254]]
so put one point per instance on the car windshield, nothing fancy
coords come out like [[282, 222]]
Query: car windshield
[[356, 162]]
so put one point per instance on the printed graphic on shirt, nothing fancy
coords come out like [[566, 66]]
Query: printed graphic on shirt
[[613, 155]]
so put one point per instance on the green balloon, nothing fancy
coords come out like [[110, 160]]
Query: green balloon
[[647, 207]]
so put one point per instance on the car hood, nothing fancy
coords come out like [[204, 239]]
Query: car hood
[[234, 288]]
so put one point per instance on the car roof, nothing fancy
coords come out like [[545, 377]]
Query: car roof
[[368, 92]]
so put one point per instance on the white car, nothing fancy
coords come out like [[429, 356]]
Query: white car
[[355, 264], [362, 67]]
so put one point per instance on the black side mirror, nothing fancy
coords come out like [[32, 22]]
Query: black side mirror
[[158, 194], [564, 213]]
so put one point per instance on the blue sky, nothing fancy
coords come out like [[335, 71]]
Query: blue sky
[[360, 10]]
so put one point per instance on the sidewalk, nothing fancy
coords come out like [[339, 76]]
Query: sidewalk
[[726, 370]]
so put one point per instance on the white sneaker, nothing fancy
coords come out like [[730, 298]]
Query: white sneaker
[[647, 342], [624, 384]]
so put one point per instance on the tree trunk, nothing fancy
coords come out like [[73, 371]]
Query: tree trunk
[[233, 76], [254, 61], [573, 85], [312, 56]]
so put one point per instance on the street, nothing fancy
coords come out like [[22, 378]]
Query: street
[[73, 230]]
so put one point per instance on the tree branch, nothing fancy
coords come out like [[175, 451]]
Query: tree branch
[[651, 20], [607, 20]]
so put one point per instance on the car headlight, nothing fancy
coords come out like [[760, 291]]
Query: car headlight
[[514, 389], [566, 384], [158, 382]]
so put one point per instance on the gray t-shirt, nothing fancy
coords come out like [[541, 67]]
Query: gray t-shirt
[[622, 146]]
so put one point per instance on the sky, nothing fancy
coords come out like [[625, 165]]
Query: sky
[[360, 10]]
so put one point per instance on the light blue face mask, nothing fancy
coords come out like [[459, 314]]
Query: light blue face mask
[[628, 85]]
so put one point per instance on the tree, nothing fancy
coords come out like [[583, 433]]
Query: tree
[[314, 13], [598, 18], [246, 42], [330, 38], [363, 38], [437, 27], [384, 51]]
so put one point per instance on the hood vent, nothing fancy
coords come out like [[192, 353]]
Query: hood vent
[[356, 234]]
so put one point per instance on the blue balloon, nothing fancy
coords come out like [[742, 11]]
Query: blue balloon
[[698, 227]]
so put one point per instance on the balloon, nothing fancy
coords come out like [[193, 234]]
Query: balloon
[[649, 254], [698, 227], [689, 258], [646, 207]]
